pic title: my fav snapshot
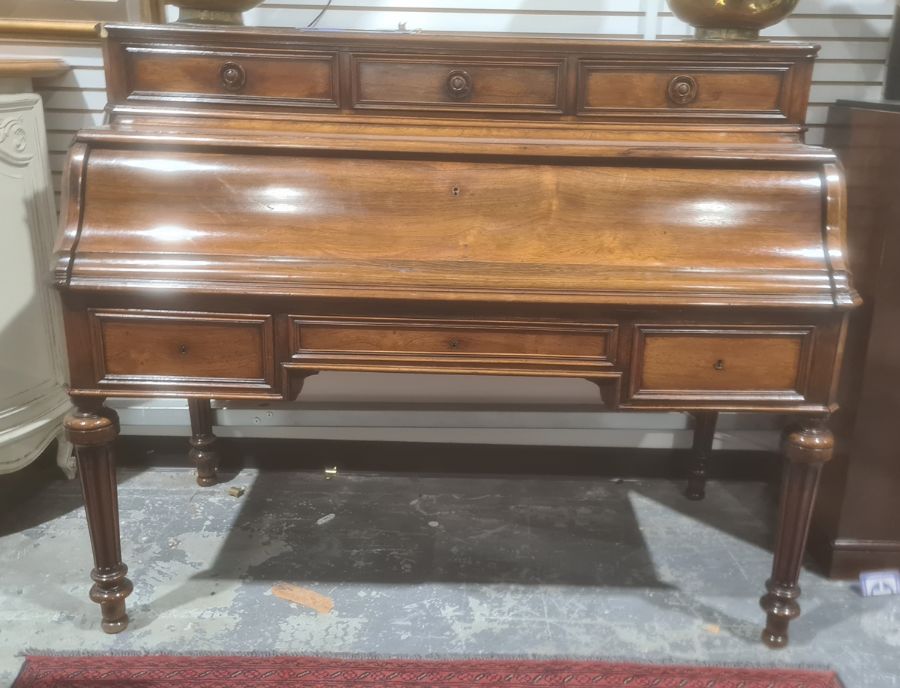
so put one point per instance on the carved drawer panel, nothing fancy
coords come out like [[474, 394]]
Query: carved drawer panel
[[294, 78], [175, 350], [452, 345], [740, 363], [478, 85], [683, 90]]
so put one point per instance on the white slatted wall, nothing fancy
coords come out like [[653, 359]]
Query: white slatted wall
[[853, 36], [854, 39]]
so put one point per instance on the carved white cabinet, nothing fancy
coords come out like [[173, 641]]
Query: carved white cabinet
[[33, 396]]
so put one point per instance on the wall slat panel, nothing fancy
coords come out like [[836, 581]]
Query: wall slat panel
[[552, 7], [853, 37], [630, 26]]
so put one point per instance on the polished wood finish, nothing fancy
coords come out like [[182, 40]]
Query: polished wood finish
[[203, 454], [223, 77], [746, 362], [319, 200], [700, 90], [806, 447], [181, 349], [425, 82], [857, 522], [643, 215], [497, 348], [92, 429], [525, 75]]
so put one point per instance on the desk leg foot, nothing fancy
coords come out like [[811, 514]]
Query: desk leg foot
[[203, 454], [93, 429], [806, 448], [704, 432]]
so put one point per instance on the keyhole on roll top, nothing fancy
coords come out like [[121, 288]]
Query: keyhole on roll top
[[719, 365], [455, 191], [182, 349]]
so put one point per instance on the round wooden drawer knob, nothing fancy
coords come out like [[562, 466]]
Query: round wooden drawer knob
[[683, 90], [232, 76], [459, 84]]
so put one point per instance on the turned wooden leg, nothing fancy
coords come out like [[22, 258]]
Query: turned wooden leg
[[92, 429], [704, 432], [806, 448], [202, 453]]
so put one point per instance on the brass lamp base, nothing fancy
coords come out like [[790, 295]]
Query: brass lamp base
[[190, 16], [731, 20], [726, 34]]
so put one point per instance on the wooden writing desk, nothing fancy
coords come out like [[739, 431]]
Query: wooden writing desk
[[266, 204]]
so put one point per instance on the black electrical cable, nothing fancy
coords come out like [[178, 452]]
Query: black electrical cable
[[319, 15]]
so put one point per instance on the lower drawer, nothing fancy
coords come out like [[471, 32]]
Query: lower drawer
[[175, 350], [451, 345], [756, 363]]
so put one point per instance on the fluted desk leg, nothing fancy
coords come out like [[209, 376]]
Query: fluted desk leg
[[806, 447], [203, 454], [92, 429]]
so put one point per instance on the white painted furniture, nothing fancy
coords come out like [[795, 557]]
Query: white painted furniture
[[33, 375]]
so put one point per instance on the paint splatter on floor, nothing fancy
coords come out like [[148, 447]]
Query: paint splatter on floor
[[304, 597]]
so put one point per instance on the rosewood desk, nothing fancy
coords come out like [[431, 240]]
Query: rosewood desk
[[267, 204]]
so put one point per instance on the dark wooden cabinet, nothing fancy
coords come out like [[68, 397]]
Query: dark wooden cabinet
[[857, 523], [268, 204]]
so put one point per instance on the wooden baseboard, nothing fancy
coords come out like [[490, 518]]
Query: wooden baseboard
[[846, 558]]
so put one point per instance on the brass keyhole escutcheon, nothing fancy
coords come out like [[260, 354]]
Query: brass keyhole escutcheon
[[455, 191], [719, 365], [182, 349]]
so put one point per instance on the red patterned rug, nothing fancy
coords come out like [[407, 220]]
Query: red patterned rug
[[309, 672]]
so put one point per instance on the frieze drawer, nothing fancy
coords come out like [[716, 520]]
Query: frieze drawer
[[178, 350], [759, 363], [483, 346], [289, 78], [683, 91], [426, 83]]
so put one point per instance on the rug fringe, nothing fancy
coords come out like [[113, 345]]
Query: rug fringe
[[368, 656]]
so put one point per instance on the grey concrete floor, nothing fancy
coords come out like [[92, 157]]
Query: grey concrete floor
[[431, 566]]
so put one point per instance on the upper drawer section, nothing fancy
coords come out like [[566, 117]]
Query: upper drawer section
[[473, 76], [232, 76], [679, 90], [424, 82]]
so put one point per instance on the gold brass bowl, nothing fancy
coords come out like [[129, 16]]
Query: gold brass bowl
[[213, 11], [731, 19]]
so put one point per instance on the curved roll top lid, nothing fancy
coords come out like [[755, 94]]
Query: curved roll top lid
[[595, 232]]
